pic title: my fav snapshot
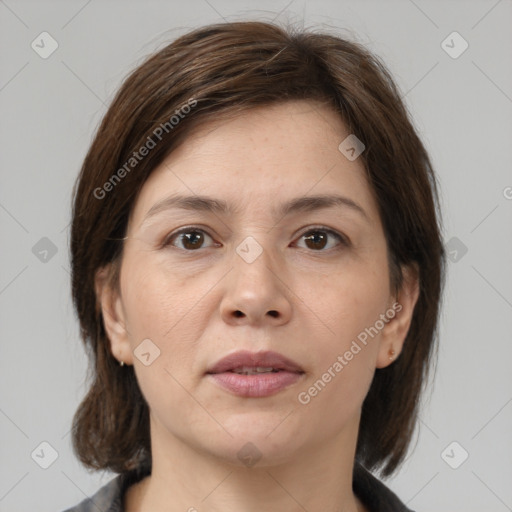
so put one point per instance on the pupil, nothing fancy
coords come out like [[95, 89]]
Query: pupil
[[315, 239], [193, 238]]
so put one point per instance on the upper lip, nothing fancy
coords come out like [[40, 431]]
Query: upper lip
[[245, 358]]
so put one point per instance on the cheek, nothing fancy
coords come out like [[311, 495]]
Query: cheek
[[156, 298], [165, 307], [149, 302], [350, 306], [332, 398], [345, 356], [159, 306], [349, 300]]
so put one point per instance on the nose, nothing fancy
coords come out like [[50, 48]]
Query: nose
[[255, 294]]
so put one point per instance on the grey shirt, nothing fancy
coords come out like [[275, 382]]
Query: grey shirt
[[371, 491]]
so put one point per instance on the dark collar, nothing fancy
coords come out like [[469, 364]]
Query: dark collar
[[374, 494]]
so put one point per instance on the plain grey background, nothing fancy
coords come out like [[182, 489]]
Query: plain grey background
[[461, 105]]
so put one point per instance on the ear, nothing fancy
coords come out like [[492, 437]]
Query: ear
[[395, 330], [109, 298]]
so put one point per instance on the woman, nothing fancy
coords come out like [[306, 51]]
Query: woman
[[257, 267]]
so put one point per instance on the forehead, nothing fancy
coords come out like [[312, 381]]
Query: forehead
[[261, 158]]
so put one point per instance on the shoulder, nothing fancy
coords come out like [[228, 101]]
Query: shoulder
[[375, 495], [110, 497], [107, 499]]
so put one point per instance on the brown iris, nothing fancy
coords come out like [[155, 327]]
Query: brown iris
[[192, 239], [317, 238]]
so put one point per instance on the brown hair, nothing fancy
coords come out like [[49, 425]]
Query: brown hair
[[223, 70]]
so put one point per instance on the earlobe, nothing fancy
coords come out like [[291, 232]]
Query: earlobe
[[395, 331], [110, 303]]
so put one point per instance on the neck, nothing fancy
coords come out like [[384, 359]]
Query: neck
[[185, 479]]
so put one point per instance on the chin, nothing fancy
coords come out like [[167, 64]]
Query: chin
[[256, 441]]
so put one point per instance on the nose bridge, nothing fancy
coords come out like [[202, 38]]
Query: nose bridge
[[254, 291], [255, 260]]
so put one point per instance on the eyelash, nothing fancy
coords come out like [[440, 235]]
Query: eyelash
[[323, 229]]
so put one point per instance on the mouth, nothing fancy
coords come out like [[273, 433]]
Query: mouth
[[255, 362], [250, 370], [255, 374]]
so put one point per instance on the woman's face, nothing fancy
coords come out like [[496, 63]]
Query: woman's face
[[308, 283]]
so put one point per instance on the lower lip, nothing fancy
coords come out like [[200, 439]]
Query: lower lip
[[258, 385]]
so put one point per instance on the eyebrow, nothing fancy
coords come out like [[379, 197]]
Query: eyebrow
[[218, 206]]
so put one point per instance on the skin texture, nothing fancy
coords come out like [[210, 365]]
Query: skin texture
[[307, 300]]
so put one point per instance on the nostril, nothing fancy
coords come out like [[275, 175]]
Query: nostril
[[238, 313], [273, 313]]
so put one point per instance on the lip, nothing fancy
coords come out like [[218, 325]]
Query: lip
[[256, 385], [254, 359]]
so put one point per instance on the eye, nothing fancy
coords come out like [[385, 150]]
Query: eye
[[192, 238], [317, 238]]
